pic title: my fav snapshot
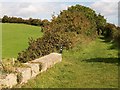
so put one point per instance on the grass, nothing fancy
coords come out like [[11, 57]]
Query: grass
[[93, 65], [88, 66], [15, 38]]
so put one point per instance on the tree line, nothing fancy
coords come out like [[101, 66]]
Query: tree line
[[30, 21]]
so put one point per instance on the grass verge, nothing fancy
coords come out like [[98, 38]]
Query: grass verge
[[88, 66]]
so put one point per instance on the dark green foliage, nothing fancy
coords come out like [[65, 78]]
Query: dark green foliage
[[112, 33], [101, 23], [30, 21], [64, 30], [109, 30], [5, 19]]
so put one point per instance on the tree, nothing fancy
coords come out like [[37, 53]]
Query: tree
[[5, 19], [45, 22]]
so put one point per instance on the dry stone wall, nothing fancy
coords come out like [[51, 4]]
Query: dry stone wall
[[8, 80], [35, 67]]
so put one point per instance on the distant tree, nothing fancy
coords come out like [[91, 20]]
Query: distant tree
[[20, 20], [36, 22], [13, 20], [45, 22], [5, 19], [30, 21]]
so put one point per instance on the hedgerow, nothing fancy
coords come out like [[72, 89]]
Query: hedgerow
[[30, 21], [63, 30], [112, 33]]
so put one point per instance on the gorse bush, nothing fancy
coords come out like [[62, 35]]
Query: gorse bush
[[63, 30], [42, 46]]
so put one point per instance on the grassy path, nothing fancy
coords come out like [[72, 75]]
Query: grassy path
[[91, 66]]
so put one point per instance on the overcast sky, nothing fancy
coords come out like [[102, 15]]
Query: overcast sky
[[43, 9]]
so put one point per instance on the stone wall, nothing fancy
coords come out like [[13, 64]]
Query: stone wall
[[35, 67]]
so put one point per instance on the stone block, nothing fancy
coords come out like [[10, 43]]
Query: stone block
[[23, 74], [48, 60], [35, 68], [8, 80]]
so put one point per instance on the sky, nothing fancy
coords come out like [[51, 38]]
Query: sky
[[44, 9]]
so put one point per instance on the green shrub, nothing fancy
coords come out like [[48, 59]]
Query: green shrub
[[63, 30]]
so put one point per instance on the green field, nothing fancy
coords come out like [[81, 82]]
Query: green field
[[93, 65], [89, 66], [15, 38]]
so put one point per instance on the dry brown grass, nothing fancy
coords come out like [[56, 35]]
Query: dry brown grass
[[10, 65]]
